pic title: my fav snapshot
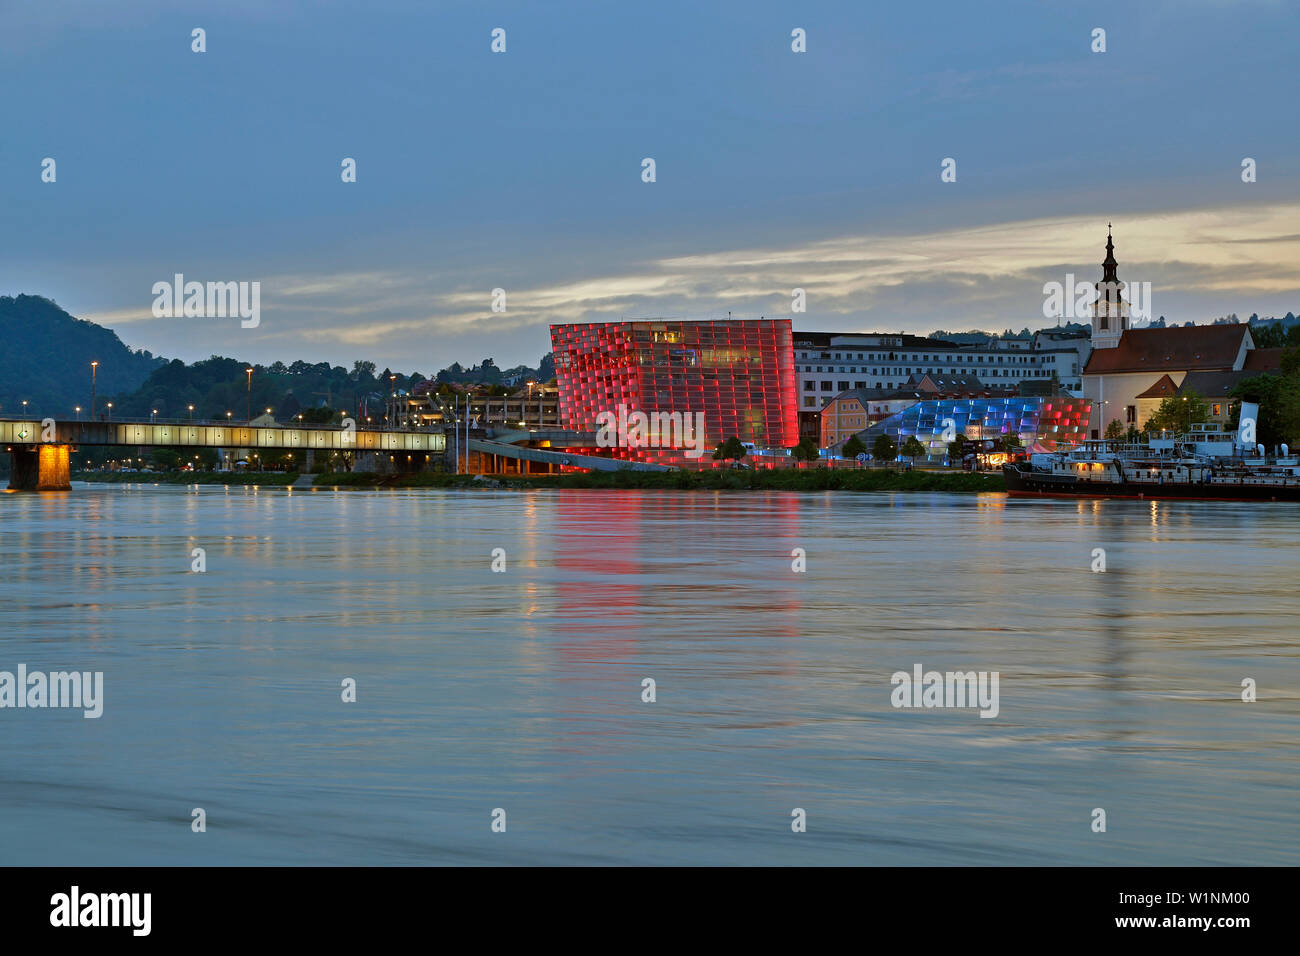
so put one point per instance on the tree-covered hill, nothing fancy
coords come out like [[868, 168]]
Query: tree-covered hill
[[45, 357]]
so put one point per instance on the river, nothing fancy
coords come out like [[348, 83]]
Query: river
[[521, 690]]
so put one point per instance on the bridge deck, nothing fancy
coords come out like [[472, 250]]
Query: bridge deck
[[203, 435]]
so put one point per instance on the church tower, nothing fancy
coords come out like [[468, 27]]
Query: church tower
[[1110, 316]]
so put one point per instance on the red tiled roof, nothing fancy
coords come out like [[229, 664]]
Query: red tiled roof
[[1161, 389], [1179, 348], [1264, 360]]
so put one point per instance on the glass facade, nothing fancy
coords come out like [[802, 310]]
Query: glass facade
[[739, 374], [1042, 424]]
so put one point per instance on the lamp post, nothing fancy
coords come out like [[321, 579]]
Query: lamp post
[[191, 408], [249, 406], [110, 411], [94, 367], [24, 408], [153, 414], [78, 413]]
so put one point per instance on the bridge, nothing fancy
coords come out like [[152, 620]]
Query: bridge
[[41, 448]]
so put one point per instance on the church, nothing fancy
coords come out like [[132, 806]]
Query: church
[[1130, 371]]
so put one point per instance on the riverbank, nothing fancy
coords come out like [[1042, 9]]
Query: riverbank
[[817, 479], [820, 479], [187, 477]]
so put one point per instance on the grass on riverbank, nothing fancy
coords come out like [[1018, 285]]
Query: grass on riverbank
[[820, 479], [816, 479]]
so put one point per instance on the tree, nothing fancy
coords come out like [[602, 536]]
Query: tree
[[884, 449], [912, 448], [1177, 413], [806, 450], [854, 447], [165, 459], [729, 450], [1115, 430], [1271, 336], [1290, 362], [957, 447], [1278, 397], [318, 416]]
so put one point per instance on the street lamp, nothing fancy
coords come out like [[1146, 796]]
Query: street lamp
[[24, 408], [249, 407], [78, 413], [110, 411], [191, 408], [94, 367]]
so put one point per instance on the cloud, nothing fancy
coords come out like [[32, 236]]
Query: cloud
[[1200, 263], [119, 317]]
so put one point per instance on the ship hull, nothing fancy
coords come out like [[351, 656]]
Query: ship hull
[[1039, 485]]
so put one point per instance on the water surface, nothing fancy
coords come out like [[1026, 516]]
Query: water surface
[[522, 690]]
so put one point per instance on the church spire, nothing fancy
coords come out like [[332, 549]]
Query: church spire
[[1110, 311], [1109, 265]]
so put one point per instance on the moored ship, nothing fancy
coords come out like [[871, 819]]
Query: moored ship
[[1205, 464]]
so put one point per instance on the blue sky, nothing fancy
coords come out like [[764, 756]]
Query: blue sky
[[522, 170]]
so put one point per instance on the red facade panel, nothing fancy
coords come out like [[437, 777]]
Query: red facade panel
[[738, 374]]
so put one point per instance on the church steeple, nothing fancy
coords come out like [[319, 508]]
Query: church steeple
[[1109, 265], [1110, 315]]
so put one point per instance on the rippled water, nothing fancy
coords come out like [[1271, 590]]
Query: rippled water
[[522, 690]]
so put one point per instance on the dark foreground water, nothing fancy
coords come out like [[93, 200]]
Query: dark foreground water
[[522, 690]]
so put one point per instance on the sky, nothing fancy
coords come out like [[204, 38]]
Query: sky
[[523, 170]]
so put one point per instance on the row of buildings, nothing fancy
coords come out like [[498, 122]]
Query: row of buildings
[[769, 385]]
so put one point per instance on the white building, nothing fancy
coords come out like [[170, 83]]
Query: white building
[[1066, 354], [828, 363]]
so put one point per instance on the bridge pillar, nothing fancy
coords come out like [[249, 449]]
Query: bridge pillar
[[40, 468], [369, 461]]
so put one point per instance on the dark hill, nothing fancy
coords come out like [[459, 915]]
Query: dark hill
[[45, 357]]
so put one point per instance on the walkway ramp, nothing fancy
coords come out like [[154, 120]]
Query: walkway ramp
[[553, 457]]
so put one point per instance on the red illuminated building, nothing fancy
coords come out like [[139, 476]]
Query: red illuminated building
[[738, 374]]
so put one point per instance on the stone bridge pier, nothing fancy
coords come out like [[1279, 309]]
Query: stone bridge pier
[[40, 468]]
